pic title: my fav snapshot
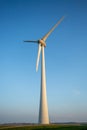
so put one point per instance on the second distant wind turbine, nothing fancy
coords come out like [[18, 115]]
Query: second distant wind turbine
[[43, 110]]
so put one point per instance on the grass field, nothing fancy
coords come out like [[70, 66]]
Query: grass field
[[44, 127]]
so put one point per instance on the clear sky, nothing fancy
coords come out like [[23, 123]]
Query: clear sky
[[66, 60]]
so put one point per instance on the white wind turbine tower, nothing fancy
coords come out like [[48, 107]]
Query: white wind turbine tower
[[43, 110]]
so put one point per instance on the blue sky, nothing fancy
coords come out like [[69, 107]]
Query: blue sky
[[66, 60]]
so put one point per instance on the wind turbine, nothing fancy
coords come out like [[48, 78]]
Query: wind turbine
[[43, 110]]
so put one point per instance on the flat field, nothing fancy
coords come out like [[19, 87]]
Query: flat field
[[44, 127]]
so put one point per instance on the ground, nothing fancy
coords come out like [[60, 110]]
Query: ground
[[45, 127]]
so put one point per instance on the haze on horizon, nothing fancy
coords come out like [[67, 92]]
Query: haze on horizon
[[66, 60]]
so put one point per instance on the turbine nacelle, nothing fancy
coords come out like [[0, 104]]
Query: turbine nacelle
[[42, 42]]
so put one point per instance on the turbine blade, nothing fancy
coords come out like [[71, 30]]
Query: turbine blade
[[38, 57], [31, 41], [46, 36]]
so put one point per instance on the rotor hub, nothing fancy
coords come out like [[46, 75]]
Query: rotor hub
[[42, 42]]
